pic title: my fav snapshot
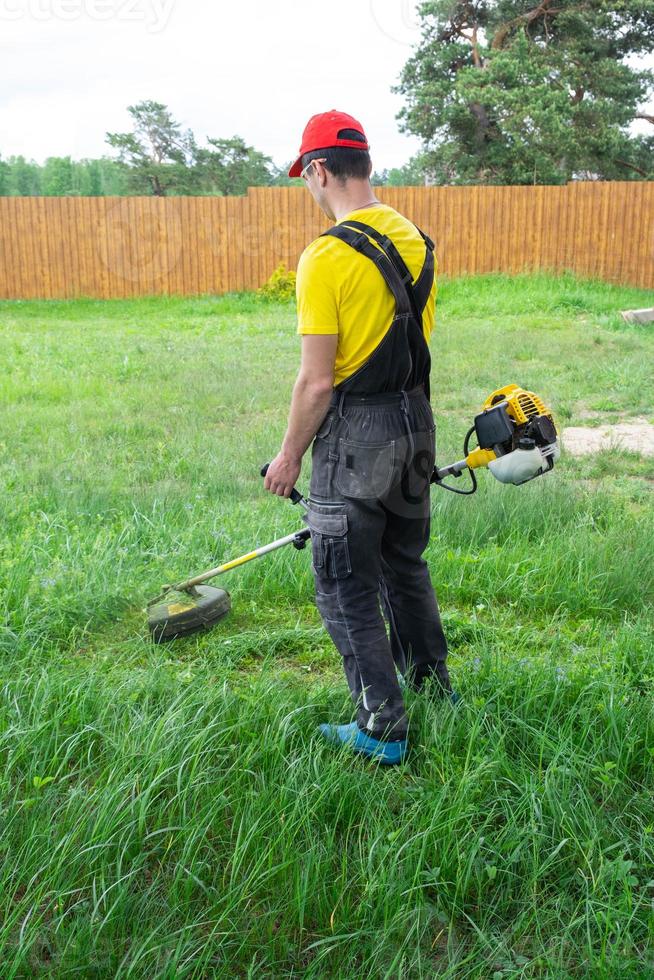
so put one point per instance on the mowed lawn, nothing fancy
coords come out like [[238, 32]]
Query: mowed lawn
[[167, 811]]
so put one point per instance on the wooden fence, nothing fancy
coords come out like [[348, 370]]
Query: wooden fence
[[110, 247]]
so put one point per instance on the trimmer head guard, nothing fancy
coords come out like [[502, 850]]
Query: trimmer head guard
[[182, 613]]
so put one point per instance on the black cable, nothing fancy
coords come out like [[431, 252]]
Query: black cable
[[446, 486]]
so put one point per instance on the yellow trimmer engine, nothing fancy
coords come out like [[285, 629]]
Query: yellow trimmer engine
[[516, 439]]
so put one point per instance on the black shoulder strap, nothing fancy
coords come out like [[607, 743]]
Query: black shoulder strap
[[387, 246], [417, 293], [360, 242], [424, 282], [426, 239]]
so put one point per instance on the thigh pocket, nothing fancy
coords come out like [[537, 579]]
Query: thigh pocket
[[330, 553], [365, 469]]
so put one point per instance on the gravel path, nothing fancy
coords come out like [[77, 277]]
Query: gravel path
[[637, 435]]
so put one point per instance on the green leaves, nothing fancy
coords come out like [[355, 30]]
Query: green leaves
[[230, 166], [38, 782], [513, 93]]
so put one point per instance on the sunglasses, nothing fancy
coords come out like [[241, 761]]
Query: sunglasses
[[316, 160]]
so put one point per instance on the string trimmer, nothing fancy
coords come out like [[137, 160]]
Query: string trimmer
[[516, 439], [190, 606]]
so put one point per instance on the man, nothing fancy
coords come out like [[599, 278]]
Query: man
[[366, 295]]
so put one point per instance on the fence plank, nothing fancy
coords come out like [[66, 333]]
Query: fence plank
[[115, 247]]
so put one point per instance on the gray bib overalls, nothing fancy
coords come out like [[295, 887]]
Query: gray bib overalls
[[372, 461]]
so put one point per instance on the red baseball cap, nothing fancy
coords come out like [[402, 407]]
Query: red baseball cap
[[322, 132]]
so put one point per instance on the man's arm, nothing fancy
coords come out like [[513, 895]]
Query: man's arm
[[311, 396]]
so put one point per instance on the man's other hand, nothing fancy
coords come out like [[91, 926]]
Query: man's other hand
[[282, 475]]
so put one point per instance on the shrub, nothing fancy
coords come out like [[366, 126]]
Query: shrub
[[281, 284]]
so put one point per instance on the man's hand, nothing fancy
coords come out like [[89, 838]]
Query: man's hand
[[282, 475]]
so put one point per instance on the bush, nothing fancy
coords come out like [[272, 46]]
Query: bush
[[281, 284]]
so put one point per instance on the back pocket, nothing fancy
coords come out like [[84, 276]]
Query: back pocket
[[365, 469]]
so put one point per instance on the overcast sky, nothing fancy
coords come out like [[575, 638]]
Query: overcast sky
[[70, 68]]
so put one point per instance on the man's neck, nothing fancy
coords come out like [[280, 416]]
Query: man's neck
[[353, 197]]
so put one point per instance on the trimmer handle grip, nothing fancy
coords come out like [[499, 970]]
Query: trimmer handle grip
[[295, 496]]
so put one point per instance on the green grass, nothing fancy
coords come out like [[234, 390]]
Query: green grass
[[167, 811]]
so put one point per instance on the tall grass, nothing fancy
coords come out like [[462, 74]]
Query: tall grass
[[168, 811], [164, 825]]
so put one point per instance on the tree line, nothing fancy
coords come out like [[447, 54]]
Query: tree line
[[158, 158]]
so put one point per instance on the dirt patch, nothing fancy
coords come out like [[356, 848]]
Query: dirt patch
[[637, 436]]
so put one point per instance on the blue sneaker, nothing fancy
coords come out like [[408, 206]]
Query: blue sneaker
[[387, 753]]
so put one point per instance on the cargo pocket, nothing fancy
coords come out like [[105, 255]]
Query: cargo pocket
[[330, 553], [325, 426], [365, 469]]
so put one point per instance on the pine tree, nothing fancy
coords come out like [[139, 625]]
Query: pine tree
[[513, 92]]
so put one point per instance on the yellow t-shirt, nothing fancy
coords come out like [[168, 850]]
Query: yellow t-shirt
[[339, 291]]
